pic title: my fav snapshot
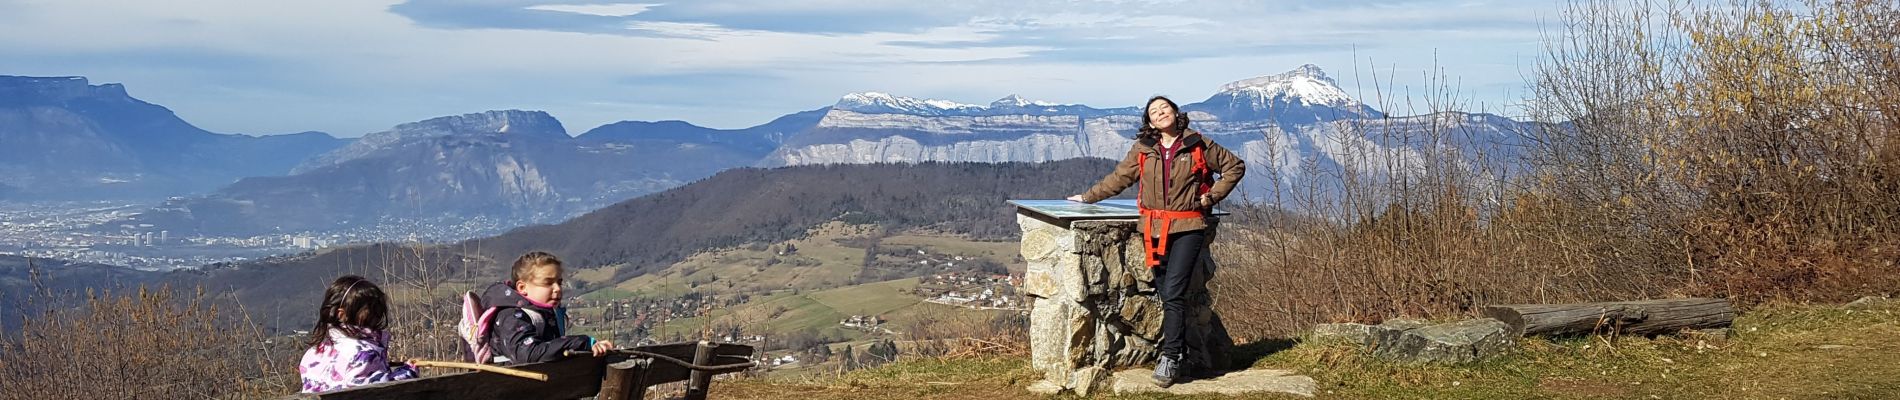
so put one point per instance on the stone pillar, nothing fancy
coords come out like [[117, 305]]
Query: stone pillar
[[1094, 308]]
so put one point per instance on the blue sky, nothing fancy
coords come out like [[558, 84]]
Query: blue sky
[[351, 67]]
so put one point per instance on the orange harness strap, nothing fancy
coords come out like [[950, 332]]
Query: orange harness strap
[[1158, 246]]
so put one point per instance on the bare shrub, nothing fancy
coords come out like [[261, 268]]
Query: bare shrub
[[1751, 154], [148, 342], [944, 333], [1737, 149]]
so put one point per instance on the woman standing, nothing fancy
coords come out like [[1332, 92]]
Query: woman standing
[[1175, 167]]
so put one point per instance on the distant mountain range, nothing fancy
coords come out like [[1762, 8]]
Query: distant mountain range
[[733, 208], [511, 167], [64, 138], [514, 168]]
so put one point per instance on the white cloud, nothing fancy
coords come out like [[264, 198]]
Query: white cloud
[[351, 66], [604, 10]]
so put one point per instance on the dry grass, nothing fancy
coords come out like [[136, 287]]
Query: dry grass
[[924, 378], [1777, 351]]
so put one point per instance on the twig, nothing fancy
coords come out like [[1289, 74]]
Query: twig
[[482, 367]]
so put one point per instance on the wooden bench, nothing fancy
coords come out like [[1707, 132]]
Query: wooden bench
[[622, 375]]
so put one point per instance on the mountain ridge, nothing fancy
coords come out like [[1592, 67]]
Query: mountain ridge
[[64, 137]]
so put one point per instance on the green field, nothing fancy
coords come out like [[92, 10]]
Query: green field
[[819, 263], [806, 291], [821, 311], [1001, 252]]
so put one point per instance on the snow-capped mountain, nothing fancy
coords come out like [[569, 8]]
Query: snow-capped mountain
[[1302, 96], [1296, 122], [1307, 84], [1019, 102], [883, 103]]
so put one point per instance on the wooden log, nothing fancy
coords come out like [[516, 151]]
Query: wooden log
[[700, 382], [1647, 317], [624, 381]]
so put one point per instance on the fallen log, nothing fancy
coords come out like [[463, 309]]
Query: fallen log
[[1647, 317]]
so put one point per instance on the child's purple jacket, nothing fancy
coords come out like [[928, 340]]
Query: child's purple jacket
[[344, 361]]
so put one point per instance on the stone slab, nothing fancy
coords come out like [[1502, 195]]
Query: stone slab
[[1238, 382]]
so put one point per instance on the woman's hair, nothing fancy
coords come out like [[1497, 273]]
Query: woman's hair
[[360, 301], [1147, 129], [528, 262]]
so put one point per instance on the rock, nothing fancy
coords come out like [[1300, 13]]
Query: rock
[[1045, 387], [1094, 307], [1450, 343], [1132, 350], [1081, 337], [1868, 302], [1054, 268], [1050, 335], [1143, 315], [1137, 269], [1087, 379], [1039, 238], [1094, 275], [1040, 283], [1392, 330], [1234, 383], [1360, 334], [1405, 324], [1120, 280]]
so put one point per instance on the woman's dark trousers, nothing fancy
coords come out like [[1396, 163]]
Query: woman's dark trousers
[[1175, 289]]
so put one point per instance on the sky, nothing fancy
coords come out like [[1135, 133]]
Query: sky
[[351, 67]]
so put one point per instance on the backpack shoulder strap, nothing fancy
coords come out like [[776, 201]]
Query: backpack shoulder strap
[[535, 317], [1141, 170], [1200, 169]]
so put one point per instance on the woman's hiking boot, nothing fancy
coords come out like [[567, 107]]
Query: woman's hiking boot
[[1166, 370]]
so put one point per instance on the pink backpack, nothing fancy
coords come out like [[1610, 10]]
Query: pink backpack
[[474, 329]]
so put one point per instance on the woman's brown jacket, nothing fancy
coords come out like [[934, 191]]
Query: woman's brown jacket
[[1181, 193]]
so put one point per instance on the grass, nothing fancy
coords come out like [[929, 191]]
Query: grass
[[1781, 351], [1774, 352], [820, 263], [610, 293], [818, 311], [985, 378], [871, 298], [1001, 252], [801, 313]]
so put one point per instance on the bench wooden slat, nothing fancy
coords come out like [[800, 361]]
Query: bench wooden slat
[[574, 377]]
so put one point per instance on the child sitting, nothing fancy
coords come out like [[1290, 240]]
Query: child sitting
[[532, 325], [349, 346]]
